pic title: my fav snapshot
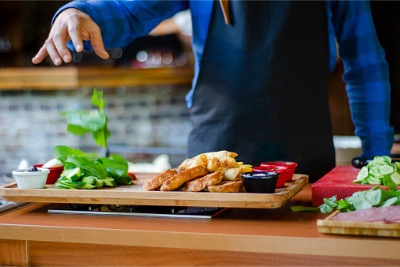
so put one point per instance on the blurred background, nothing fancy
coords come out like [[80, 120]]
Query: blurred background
[[144, 88]]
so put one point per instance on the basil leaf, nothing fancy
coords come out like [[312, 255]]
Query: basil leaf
[[81, 122], [92, 120], [89, 166], [63, 152], [117, 167], [97, 99]]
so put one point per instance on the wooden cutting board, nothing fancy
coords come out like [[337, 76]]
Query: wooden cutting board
[[136, 195], [329, 226]]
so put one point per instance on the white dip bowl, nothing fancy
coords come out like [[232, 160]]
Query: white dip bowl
[[31, 180]]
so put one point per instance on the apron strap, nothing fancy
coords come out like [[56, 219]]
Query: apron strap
[[225, 10]]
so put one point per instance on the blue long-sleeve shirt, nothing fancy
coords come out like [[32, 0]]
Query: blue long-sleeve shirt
[[349, 23]]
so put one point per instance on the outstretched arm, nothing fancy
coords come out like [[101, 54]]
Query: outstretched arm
[[366, 75], [100, 24]]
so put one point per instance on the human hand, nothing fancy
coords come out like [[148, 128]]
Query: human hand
[[71, 24]]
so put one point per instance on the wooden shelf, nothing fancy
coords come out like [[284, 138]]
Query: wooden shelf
[[71, 78]]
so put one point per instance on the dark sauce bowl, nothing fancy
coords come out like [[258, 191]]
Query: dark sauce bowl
[[260, 182]]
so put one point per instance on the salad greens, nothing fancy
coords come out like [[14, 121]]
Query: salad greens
[[81, 122], [374, 197], [380, 170], [88, 170], [84, 170]]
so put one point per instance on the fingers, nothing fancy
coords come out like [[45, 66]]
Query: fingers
[[73, 25], [93, 33], [98, 46], [40, 56]]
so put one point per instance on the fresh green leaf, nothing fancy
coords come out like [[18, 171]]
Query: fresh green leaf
[[390, 202], [63, 152], [366, 199], [101, 136], [89, 121], [395, 178], [388, 182], [97, 99], [329, 205], [89, 166], [117, 167], [81, 122]]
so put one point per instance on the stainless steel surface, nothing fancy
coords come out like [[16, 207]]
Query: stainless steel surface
[[134, 211]]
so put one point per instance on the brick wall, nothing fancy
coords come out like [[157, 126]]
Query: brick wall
[[31, 124]]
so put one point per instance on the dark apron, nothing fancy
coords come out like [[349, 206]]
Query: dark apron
[[262, 87]]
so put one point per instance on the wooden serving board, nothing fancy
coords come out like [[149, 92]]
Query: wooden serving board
[[329, 226], [136, 195]]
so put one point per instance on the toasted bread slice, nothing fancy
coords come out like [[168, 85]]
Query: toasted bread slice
[[201, 183], [226, 187], [157, 181], [180, 178]]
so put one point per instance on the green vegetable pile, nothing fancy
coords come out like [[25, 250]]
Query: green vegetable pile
[[87, 170], [374, 197], [381, 170]]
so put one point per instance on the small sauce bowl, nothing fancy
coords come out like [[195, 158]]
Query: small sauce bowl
[[260, 182], [284, 173], [289, 164], [31, 179], [55, 173]]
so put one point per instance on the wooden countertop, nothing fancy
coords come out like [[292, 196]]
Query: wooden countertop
[[54, 78], [268, 231]]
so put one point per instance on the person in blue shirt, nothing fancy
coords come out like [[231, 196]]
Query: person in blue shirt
[[261, 71]]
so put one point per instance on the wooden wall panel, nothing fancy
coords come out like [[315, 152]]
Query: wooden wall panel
[[73, 254], [13, 253]]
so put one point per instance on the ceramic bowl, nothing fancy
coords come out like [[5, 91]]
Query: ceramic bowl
[[31, 180], [284, 173], [289, 164], [55, 173], [260, 182]]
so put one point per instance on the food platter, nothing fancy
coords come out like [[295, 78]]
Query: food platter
[[329, 226], [136, 195]]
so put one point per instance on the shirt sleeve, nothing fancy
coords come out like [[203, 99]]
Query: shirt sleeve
[[366, 74], [123, 21]]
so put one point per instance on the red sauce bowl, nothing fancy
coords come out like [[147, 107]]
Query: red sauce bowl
[[284, 173], [55, 173], [291, 165]]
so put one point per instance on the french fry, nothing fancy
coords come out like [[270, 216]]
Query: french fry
[[246, 168]]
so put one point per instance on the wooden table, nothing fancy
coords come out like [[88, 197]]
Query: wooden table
[[240, 237]]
